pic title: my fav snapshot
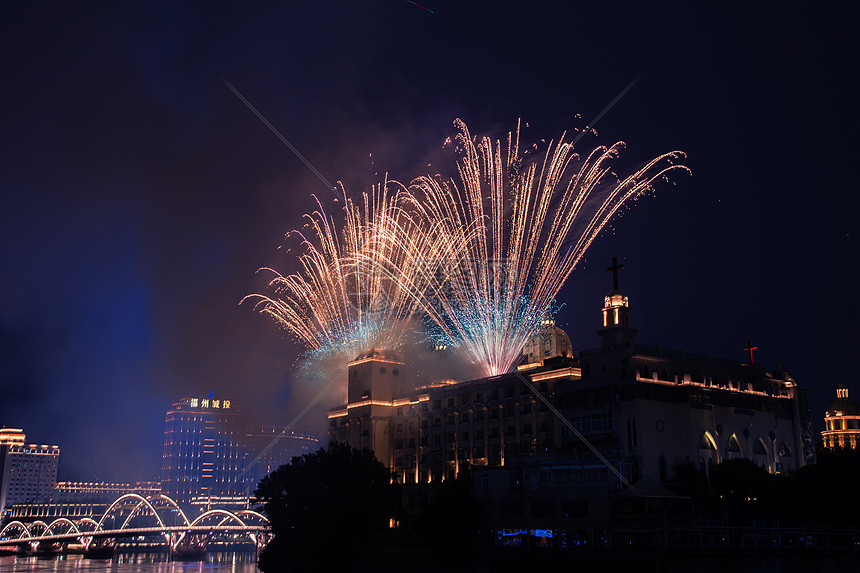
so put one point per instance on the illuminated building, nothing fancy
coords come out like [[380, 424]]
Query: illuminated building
[[841, 421], [434, 432], [211, 458], [101, 492], [664, 407], [28, 512], [28, 471], [12, 437], [204, 458], [75, 500], [645, 409]]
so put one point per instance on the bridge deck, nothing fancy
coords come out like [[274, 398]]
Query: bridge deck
[[136, 531]]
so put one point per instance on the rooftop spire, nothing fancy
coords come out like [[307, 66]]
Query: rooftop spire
[[614, 270]]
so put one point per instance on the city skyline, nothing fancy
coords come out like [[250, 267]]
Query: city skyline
[[141, 193]]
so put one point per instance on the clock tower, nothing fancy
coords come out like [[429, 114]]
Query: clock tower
[[616, 333]]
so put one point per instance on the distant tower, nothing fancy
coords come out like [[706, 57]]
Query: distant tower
[[616, 333], [841, 421]]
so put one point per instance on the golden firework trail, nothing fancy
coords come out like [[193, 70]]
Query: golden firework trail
[[342, 301], [516, 229]]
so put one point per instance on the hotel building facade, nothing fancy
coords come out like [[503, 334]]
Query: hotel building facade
[[28, 471], [621, 412]]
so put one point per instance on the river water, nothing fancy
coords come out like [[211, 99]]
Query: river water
[[227, 562]]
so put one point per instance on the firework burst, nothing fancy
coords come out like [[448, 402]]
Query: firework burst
[[342, 301], [517, 230]]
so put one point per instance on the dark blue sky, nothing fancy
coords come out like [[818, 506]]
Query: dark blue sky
[[139, 195]]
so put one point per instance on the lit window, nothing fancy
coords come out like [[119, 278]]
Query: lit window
[[707, 442], [733, 445]]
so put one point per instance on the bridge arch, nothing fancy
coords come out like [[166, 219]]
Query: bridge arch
[[36, 523], [141, 501], [171, 503], [16, 524], [89, 520], [252, 513], [228, 515], [50, 529]]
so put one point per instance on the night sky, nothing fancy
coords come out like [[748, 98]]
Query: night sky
[[139, 195]]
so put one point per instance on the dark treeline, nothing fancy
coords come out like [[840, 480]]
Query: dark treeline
[[739, 493], [334, 508]]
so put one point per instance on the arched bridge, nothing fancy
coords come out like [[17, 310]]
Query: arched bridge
[[133, 515]]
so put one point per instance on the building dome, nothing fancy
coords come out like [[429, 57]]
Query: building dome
[[548, 342], [842, 421], [843, 405]]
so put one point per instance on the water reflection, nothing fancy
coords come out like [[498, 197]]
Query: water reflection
[[216, 562]]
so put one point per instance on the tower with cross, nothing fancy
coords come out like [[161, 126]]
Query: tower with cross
[[616, 333]]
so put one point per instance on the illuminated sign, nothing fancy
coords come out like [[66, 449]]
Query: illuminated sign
[[209, 403]]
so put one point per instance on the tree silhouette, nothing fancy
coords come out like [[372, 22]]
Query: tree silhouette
[[326, 509], [450, 521]]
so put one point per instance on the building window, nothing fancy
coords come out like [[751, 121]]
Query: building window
[[733, 446], [759, 447], [707, 442], [593, 423]]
